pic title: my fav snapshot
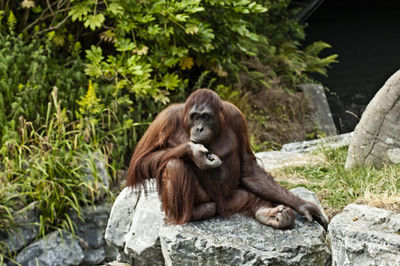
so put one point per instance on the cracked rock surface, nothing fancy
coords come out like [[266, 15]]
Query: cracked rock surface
[[376, 139], [364, 235], [241, 240], [136, 227]]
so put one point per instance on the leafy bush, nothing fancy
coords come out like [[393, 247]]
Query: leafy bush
[[144, 54], [28, 72], [276, 112], [157, 49]]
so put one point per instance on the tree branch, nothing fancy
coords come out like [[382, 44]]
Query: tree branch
[[44, 15]]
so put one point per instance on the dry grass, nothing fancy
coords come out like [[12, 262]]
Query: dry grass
[[388, 200]]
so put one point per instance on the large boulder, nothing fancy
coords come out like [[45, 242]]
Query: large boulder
[[332, 142], [86, 247], [364, 235], [121, 217], [136, 226], [376, 138], [241, 240], [133, 226]]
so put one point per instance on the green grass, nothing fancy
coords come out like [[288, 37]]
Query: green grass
[[46, 166], [337, 187]]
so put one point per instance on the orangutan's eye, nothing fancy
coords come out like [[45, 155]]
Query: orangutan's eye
[[205, 117], [195, 116]]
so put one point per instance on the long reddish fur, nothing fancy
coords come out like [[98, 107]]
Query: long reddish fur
[[161, 143]]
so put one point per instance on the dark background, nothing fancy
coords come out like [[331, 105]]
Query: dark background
[[366, 36]]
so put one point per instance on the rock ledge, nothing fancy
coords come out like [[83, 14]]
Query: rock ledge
[[364, 235]]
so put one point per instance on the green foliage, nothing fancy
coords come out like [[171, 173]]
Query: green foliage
[[280, 51], [90, 104], [158, 43], [316, 64], [145, 54], [46, 165], [143, 41], [28, 72]]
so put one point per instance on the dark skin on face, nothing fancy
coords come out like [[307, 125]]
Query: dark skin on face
[[203, 123], [200, 154]]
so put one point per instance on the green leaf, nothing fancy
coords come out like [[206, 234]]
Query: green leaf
[[141, 86], [94, 54], [11, 21], [196, 9], [170, 81], [90, 104], [181, 17], [93, 70], [94, 21], [116, 9], [79, 11], [191, 29], [162, 97], [125, 45], [316, 47], [154, 29], [37, 9]]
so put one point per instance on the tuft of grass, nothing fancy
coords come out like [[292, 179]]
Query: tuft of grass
[[337, 187], [49, 166]]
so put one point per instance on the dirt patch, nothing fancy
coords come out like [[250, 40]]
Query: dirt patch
[[279, 117]]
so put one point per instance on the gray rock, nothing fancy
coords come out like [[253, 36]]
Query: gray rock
[[121, 217], [311, 145], [94, 256], [241, 240], [310, 196], [122, 257], [87, 247], [321, 114], [55, 249], [364, 235], [379, 127], [232, 241], [111, 253], [276, 159], [394, 155], [134, 223], [143, 242], [28, 229], [90, 229], [298, 153]]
